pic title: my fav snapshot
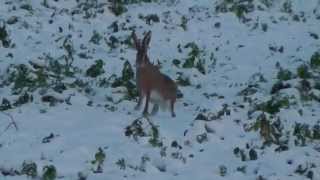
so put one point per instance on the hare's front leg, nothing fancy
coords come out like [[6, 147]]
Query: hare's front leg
[[145, 111], [138, 106]]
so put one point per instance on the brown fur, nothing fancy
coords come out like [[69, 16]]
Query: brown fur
[[151, 80]]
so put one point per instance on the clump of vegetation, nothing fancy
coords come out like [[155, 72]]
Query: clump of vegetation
[[4, 37], [238, 7], [223, 170], [183, 80], [49, 172], [195, 58], [123, 164], [32, 76], [29, 169], [279, 86], [99, 159], [135, 130], [274, 105], [251, 154], [89, 9], [95, 69], [154, 139], [20, 76], [287, 7], [150, 19], [306, 170], [127, 80], [184, 23], [315, 60], [284, 74], [95, 38], [272, 131], [138, 128], [303, 72], [118, 7], [305, 133], [5, 105]]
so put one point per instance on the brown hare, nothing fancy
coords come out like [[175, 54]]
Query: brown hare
[[151, 83]]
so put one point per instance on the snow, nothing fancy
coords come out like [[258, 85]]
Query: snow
[[79, 130]]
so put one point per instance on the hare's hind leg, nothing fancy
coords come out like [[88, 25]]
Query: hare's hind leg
[[173, 114], [140, 98], [155, 109]]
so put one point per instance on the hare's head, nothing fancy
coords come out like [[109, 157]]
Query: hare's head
[[142, 48]]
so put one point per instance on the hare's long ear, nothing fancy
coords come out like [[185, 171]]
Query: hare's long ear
[[136, 41], [146, 40]]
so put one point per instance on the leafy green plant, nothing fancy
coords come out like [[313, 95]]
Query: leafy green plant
[[223, 170], [4, 37], [126, 80], [68, 57], [96, 69], [184, 23], [151, 18], [274, 105], [287, 6], [5, 105], [195, 58], [315, 60], [117, 7], [303, 71], [95, 38], [21, 77], [29, 169], [49, 172], [183, 81], [121, 163], [305, 133], [284, 74], [99, 159], [238, 7], [192, 55], [154, 139]]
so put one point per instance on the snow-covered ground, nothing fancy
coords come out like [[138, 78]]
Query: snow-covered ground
[[237, 52]]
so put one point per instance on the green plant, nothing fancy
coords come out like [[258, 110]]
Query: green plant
[[192, 55], [154, 139], [195, 59], [315, 60], [118, 7], [183, 81], [49, 173], [99, 158], [95, 69], [223, 170], [126, 80], [274, 105], [121, 163], [184, 23], [303, 71], [284, 74], [5, 105], [21, 77], [4, 37], [287, 7], [305, 133], [68, 57], [29, 169], [96, 37]]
